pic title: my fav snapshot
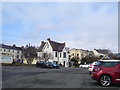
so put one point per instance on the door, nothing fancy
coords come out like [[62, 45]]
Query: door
[[64, 63]]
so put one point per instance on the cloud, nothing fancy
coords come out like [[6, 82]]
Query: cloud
[[80, 25]]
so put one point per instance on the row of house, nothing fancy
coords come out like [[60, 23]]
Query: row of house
[[80, 53], [59, 52], [10, 53]]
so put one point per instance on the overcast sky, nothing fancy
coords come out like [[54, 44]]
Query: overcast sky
[[80, 25]]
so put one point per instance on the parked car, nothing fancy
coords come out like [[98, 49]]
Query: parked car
[[54, 65], [107, 72], [47, 65], [91, 66], [18, 61], [84, 65]]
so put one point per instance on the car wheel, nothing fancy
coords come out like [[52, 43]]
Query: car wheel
[[105, 80], [57, 67], [37, 66], [90, 72], [50, 67]]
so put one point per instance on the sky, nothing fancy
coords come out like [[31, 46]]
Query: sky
[[82, 25]]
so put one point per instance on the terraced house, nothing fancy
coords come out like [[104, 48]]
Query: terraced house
[[58, 51], [80, 53], [10, 53]]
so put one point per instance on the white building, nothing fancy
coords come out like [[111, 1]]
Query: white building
[[102, 53], [57, 50], [8, 53]]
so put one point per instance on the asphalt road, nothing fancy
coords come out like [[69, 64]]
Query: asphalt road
[[32, 77]]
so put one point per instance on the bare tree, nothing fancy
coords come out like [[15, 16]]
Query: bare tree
[[75, 59], [89, 59], [45, 56], [30, 53]]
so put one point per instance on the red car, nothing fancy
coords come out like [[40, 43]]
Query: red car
[[107, 72]]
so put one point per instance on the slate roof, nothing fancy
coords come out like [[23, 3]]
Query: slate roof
[[41, 46], [55, 45], [10, 47]]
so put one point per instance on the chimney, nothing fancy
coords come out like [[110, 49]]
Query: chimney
[[29, 45], [14, 45], [64, 43], [48, 39], [42, 42]]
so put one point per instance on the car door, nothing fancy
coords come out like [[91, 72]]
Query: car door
[[119, 71]]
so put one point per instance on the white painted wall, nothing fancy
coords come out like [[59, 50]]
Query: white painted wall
[[48, 49], [9, 54], [97, 54]]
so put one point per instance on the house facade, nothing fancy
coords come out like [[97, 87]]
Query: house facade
[[57, 50], [80, 53], [10, 53]]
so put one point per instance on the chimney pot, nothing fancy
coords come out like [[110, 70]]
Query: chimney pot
[[42, 42], [48, 39]]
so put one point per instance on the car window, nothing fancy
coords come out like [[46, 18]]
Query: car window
[[94, 63], [107, 64]]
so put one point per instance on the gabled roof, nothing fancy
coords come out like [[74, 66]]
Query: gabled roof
[[10, 47], [41, 46], [55, 45]]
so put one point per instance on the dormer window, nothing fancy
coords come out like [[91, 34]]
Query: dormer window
[[48, 46]]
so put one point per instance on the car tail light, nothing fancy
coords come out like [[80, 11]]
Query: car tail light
[[90, 66], [97, 69]]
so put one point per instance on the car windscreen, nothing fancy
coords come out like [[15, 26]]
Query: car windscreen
[[107, 64]]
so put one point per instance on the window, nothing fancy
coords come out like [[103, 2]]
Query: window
[[69, 57], [9, 50], [4, 50], [21, 56], [55, 54], [47, 45], [64, 55], [60, 54], [13, 51], [73, 54], [17, 56], [107, 64], [77, 54], [56, 62], [18, 52]]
